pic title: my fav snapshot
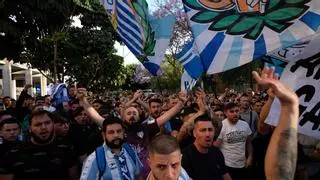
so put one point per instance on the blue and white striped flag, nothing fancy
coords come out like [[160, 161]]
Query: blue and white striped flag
[[145, 36], [233, 33], [190, 60]]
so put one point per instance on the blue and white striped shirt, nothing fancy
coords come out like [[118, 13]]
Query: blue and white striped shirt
[[90, 170]]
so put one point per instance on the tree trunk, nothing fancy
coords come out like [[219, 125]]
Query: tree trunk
[[55, 51]]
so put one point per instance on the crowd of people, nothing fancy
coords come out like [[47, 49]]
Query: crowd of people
[[194, 135]]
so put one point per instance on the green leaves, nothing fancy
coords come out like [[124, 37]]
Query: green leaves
[[285, 14], [149, 47], [278, 16], [193, 4], [273, 3], [204, 17], [148, 33], [293, 1], [244, 25], [276, 26], [139, 9], [224, 22]]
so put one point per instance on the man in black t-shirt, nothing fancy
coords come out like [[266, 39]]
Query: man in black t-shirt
[[41, 156], [201, 160], [9, 132], [84, 134]]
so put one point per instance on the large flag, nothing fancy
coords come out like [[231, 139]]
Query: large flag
[[145, 36], [231, 33], [190, 60], [303, 74]]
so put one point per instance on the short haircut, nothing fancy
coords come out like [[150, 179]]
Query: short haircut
[[9, 121], [109, 121], [217, 109], [186, 111], [6, 97], [36, 106], [41, 113], [78, 111], [98, 101], [230, 106], [163, 144], [39, 98], [5, 113], [203, 118], [46, 96], [28, 97], [258, 101], [60, 117], [156, 100], [244, 95], [74, 102]]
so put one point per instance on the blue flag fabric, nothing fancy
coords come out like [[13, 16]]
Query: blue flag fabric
[[231, 33], [145, 36], [191, 61]]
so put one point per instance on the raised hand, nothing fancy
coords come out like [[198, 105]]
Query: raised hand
[[268, 79], [81, 94], [137, 94], [182, 97]]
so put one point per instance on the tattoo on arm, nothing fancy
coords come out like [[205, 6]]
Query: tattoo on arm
[[287, 154]]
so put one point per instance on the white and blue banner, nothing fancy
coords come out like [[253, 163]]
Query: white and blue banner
[[229, 33], [303, 76]]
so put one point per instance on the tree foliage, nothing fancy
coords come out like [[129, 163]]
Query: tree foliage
[[84, 54], [170, 79], [24, 22]]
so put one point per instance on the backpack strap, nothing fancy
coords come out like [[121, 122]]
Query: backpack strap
[[130, 151], [101, 160]]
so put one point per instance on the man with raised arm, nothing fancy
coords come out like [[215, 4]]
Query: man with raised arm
[[280, 162], [138, 132]]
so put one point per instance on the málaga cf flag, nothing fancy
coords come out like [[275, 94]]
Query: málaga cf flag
[[230, 33], [145, 36]]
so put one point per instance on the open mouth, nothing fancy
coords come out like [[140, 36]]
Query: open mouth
[[44, 134]]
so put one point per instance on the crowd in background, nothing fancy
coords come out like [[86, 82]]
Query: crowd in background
[[40, 141]]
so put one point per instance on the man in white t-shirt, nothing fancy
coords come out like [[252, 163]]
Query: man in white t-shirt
[[233, 141]]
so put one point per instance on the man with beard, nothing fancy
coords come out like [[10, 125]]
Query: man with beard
[[234, 140], [165, 159], [138, 132], [202, 160], [114, 159], [41, 156]]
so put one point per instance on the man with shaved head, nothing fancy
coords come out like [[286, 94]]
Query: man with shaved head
[[165, 159]]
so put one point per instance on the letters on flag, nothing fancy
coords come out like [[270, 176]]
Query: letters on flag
[[290, 53], [231, 33], [187, 82], [145, 36], [303, 76]]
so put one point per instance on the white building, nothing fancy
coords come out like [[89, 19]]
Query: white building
[[14, 76]]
